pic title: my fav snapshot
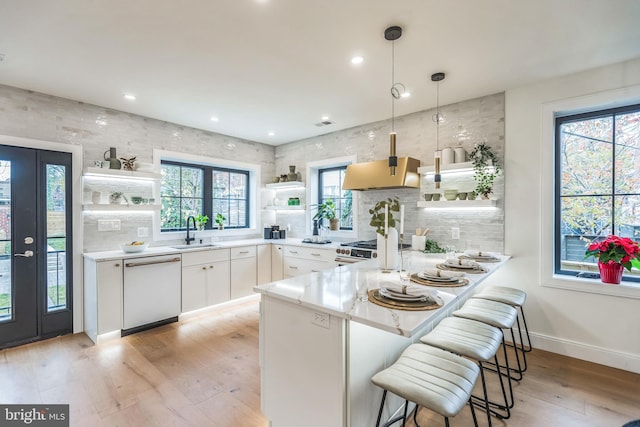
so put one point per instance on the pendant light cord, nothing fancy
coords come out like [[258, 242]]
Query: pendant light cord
[[437, 115], [393, 79]]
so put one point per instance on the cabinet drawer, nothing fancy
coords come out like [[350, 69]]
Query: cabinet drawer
[[243, 252], [310, 253], [298, 266], [203, 257]]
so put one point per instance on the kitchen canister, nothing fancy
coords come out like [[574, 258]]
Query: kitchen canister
[[460, 155], [447, 156]]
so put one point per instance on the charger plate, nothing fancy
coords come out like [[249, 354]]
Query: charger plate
[[419, 280], [376, 298], [465, 270]]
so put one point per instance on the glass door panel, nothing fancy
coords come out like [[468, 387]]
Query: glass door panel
[[56, 238], [6, 289]]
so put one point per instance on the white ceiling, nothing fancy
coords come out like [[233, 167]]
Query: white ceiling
[[280, 65]]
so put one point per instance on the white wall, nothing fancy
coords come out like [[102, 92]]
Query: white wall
[[588, 325]]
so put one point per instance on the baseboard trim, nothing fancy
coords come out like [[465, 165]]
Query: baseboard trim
[[590, 353]]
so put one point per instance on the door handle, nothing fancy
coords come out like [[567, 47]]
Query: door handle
[[26, 254]]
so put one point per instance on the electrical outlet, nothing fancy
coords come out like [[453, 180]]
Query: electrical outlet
[[143, 232], [321, 319], [108, 225], [455, 233]]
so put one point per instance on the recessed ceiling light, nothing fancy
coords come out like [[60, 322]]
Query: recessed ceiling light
[[129, 96], [325, 118], [357, 60], [271, 133], [405, 94], [214, 119]]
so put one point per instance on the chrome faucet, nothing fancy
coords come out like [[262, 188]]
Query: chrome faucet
[[190, 239]]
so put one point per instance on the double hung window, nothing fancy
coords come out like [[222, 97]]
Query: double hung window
[[330, 187]]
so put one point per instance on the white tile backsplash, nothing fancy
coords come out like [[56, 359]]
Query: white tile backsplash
[[39, 116]]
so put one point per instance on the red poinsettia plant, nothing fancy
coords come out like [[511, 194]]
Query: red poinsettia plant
[[615, 250]]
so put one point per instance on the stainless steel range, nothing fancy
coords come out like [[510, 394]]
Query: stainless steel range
[[352, 252], [362, 250]]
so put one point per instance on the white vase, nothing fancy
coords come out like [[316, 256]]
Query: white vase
[[388, 250]]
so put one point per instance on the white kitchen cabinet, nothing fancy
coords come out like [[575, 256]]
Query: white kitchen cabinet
[[103, 282], [300, 260], [243, 271], [264, 263], [277, 262], [205, 278]]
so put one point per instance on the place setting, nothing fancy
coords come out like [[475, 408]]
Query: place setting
[[405, 296], [462, 265], [439, 278], [479, 256]]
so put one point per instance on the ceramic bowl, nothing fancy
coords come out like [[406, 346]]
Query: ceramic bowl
[[450, 194], [134, 247], [136, 200], [435, 197], [428, 197]]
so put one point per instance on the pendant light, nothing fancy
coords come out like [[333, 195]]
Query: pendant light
[[437, 77], [397, 89]]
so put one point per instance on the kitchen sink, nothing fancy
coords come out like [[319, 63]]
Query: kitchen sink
[[194, 246]]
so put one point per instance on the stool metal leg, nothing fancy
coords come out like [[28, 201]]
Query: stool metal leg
[[526, 331], [384, 395]]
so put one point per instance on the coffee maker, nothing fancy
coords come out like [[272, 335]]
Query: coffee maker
[[274, 232]]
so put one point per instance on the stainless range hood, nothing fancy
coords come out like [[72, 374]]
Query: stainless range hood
[[375, 175]]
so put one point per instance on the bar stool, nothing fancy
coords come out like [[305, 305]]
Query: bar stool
[[429, 377], [478, 341], [513, 297], [496, 314]]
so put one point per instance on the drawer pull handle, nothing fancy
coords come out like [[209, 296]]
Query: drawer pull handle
[[292, 267], [315, 254], [243, 252], [293, 252]]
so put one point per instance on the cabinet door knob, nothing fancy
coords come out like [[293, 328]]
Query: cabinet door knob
[[211, 266], [204, 268], [117, 264]]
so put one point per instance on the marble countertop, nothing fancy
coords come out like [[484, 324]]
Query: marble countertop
[[334, 292], [168, 250]]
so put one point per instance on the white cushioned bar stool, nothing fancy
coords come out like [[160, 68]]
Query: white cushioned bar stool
[[478, 341], [515, 298], [496, 314], [428, 376]]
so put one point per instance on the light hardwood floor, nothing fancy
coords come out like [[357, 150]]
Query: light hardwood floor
[[204, 371]]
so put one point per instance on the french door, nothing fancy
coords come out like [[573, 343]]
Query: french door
[[35, 245]]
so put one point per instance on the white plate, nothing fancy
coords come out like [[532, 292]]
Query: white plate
[[438, 278], [402, 297], [462, 267]]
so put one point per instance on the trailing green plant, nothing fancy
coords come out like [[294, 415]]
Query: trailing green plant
[[220, 219], [201, 220], [431, 246], [377, 214], [483, 157]]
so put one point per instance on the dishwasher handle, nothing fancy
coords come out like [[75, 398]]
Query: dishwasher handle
[[164, 261]]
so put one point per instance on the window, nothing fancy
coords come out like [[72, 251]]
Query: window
[[330, 187], [597, 190], [192, 189]]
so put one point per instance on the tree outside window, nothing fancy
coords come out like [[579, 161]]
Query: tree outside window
[[597, 181]]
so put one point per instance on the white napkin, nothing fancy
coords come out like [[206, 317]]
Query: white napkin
[[408, 289], [475, 254], [462, 262], [435, 272]]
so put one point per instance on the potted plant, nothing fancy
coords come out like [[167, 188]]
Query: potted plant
[[482, 158], [220, 219], [201, 221], [327, 210], [377, 214], [614, 255]]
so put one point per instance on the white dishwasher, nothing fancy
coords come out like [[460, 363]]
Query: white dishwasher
[[152, 291]]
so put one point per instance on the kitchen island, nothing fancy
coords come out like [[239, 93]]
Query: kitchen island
[[320, 346]]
